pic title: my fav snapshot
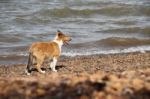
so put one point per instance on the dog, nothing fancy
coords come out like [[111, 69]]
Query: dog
[[40, 51]]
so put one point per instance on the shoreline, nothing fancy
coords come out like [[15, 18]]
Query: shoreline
[[121, 76], [18, 59]]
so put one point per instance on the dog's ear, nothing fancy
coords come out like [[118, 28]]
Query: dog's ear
[[59, 33]]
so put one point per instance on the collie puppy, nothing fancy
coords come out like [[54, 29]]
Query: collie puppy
[[40, 51]]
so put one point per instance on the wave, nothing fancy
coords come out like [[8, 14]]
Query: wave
[[9, 38], [94, 51], [126, 42], [101, 46], [112, 42], [145, 30], [112, 10], [21, 57], [141, 49]]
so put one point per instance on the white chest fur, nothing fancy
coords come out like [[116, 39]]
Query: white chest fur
[[60, 43]]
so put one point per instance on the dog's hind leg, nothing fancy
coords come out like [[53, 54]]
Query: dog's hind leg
[[38, 66], [30, 61]]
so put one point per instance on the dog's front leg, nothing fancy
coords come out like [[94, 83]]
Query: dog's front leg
[[53, 64]]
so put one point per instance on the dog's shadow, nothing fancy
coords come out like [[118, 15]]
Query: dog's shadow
[[58, 67]]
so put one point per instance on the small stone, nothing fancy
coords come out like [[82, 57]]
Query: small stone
[[138, 84], [118, 87], [40, 92], [113, 78], [147, 86]]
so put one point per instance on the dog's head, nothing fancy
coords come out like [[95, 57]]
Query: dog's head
[[60, 36]]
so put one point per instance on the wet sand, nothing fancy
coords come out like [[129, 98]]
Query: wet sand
[[119, 76]]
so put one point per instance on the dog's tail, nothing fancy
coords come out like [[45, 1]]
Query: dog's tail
[[30, 63]]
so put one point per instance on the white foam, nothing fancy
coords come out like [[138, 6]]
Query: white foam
[[80, 52], [141, 49]]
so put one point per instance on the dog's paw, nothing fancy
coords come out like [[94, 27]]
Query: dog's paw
[[28, 74], [54, 70], [42, 71], [26, 71]]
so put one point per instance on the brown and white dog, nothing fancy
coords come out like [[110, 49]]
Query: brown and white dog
[[40, 51]]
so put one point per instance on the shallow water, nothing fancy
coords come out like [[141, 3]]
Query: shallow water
[[96, 26]]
